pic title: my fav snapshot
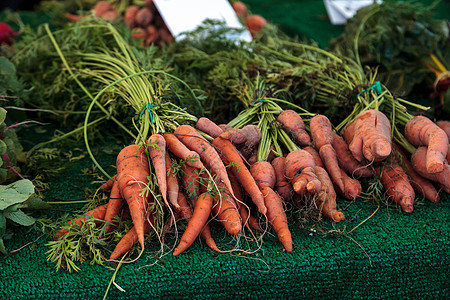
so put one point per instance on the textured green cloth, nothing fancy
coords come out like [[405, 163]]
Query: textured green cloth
[[392, 255]]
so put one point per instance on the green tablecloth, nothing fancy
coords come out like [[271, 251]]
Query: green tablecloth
[[391, 255]]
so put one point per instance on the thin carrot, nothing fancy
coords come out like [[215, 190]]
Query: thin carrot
[[294, 125], [157, 152], [108, 184], [175, 146], [199, 218], [265, 176], [172, 182], [371, 137], [132, 176], [208, 127], [315, 155], [282, 187], [227, 149], [421, 131], [194, 141], [327, 197], [396, 183]]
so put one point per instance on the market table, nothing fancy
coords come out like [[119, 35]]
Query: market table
[[389, 254]]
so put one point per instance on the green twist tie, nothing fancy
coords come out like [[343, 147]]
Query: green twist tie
[[259, 100], [149, 108], [376, 88]]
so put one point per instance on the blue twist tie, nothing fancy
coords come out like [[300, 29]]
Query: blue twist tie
[[149, 108], [376, 88]]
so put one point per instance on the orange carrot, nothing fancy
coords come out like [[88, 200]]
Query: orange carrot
[[240, 9], [110, 15], [225, 127], [444, 125], [198, 221], [152, 34], [255, 23], [418, 161], [315, 155], [102, 7], [397, 185], [420, 184], [144, 17], [327, 196], [129, 239], [175, 146], [371, 136], [299, 169], [225, 211], [172, 182], [130, 15], [114, 206], [98, 213], [294, 125], [346, 160], [283, 187], [321, 131], [249, 134], [265, 176], [421, 131], [230, 153], [132, 176], [194, 141], [329, 158], [108, 185], [352, 187], [156, 145], [194, 181], [208, 127]]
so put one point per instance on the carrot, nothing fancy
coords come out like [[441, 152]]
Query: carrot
[[132, 176], [315, 155], [172, 182], [102, 7], [255, 23], [321, 131], [175, 146], [156, 145], [230, 153], [283, 187], [249, 134], [114, 206], [74, 18], [418, 161], [129, 239], [195, 225], [108, 185], [165, 35], [299, 169], [444, 125], [330, 161], [194, 181], [144, 17], [130, 15], [138, 33], [352, 187], [110, 15], [186, 213], [152, 34], [194, 141], [327, 197], [265, 176], [235, 136], [208, 127], [225, 127], [240, 9], [421, 131], [349, 133], [346, 160], [420, 184], [98, 213], [397, 185], [294, 125], [225, 211], [371, 136]]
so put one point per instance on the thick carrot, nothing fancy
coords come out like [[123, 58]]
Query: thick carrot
[[294, 125], [352, 187], [194, 141], [102, 7], [397, 185], [175, 146], [225, 211], [240, 9], [265, 176], [235, 136], [225, 127], [421, 131], [114, 206], [130, 15], [172, 182], [132, 176], [315, 155], [321, 131], [98, 213], [230, 153], [420, 184], [299, 169], [349, 133], [143, 17], [346, 160], [129, 239], [282, 187], [249, 134], [208, 127], [198, 221], [418, 161], [157, 151], [444, 125], [326, 199], [371, 137]]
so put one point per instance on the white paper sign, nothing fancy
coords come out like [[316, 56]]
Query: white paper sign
[[186, 15], [341, 10]]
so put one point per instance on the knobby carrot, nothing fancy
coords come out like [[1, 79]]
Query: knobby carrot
[[282, 187], [294, 125], [326, 199], [418, 161], [299, 169], [421, 131], [157, 152]]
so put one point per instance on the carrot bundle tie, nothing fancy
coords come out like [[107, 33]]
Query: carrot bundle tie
[[376, 88], [148, 108]]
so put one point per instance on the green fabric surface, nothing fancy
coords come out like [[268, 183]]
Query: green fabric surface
[[391, 255]]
